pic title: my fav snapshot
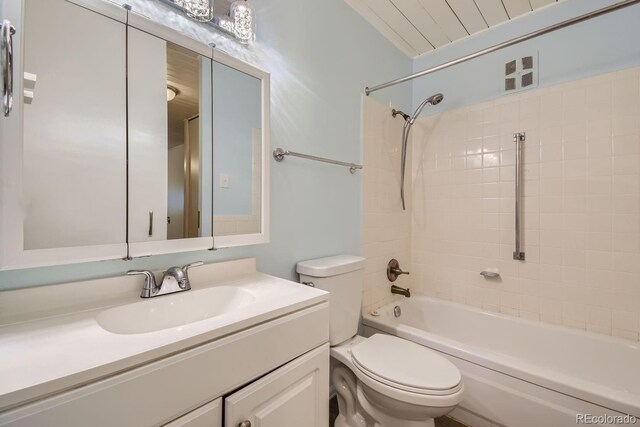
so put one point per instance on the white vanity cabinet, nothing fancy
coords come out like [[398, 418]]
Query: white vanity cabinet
[[209, 415], [63, 144], [287, 358], [292, 396]]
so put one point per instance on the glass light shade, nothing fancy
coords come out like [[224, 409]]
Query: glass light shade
[[225, 23], [199, 10], [171, 93], [243, 18]]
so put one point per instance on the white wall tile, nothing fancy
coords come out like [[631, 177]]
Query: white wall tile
[[581, 205], [386, 228]]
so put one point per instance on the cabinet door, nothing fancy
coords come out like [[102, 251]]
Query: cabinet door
[[294, 395], [169, 119], [63, 147], [209, 415]]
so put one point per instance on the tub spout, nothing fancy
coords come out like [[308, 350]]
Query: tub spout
[[400, 291]]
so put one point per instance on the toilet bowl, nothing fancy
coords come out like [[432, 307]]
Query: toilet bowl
[[392, 382], [383, 380]]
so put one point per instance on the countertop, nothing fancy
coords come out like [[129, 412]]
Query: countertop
[[46, 355]]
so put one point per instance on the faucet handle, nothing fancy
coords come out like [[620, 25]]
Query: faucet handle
[[394, 270], [186, 285], [150, 285], [193, 264]]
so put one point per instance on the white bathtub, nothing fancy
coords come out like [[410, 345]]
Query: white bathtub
[[519, 372]]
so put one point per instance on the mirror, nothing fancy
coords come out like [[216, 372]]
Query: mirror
[[109, 152], [198, 138], [74, 128], [238, 150], [170, 145], [63, 145]]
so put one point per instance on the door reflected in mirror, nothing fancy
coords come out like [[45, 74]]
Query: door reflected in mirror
[[237, 157]]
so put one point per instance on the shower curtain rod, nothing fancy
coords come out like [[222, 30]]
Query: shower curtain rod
[[508, 43]]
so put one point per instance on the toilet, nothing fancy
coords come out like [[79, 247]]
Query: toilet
[[383, 380]]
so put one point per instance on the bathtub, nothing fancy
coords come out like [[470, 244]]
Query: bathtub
[[519, 372]]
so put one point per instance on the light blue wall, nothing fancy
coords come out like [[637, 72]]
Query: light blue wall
[[603, 44], [236, 112], [321, 55]]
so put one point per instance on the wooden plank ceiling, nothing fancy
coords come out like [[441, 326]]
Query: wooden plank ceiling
[[419, 26]]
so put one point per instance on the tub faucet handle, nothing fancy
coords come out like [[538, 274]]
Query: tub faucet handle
[[394, 270]]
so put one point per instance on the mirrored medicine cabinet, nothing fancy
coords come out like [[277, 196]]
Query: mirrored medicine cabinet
[[132, 140]]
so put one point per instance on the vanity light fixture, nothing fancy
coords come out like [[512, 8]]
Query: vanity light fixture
[[198, 10], [236, 19], [243, 18], [172, 92]]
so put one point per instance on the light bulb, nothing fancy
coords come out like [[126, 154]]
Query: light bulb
[[243, 18], [225, 23], [199, 10]]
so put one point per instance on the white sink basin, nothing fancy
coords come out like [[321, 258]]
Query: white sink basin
[[173, 310]]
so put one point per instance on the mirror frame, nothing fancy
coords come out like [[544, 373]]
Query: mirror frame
[[233, 240]]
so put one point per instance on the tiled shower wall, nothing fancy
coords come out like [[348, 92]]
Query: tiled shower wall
[[581, 204], [386, 227]]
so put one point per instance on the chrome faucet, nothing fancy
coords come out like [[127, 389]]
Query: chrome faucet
[[400, 291], [175, 279]]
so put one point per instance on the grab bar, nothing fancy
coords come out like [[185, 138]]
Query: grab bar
[[6, 46], [279, 154], [518, 138]]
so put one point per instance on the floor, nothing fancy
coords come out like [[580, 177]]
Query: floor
[[440, 422], [333, 411]]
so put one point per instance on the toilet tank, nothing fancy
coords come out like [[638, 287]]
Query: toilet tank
[[342, 276]]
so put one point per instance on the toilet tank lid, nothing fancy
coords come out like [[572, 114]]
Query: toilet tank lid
[[330, 266]]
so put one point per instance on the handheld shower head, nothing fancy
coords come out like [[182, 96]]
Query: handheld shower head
[[433, 100], [436, 99]]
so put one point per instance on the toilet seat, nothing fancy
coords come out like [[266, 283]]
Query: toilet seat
[[406, 366]]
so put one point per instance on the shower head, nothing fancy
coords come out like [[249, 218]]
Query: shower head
[[436, 99], [433, 100]]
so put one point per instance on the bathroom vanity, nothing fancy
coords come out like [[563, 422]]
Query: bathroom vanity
[[258, 355]]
